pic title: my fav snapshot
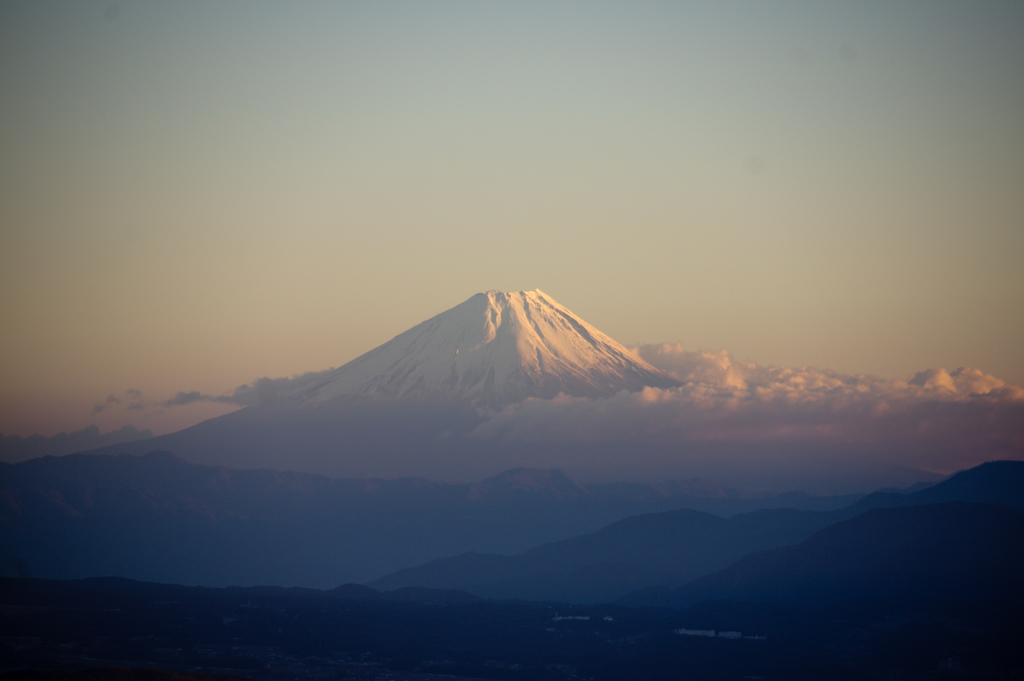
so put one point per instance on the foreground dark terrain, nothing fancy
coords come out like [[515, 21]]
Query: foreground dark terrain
[[915, 592], [921, 585], [355, 632]]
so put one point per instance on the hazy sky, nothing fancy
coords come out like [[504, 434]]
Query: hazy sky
[[197, 194]]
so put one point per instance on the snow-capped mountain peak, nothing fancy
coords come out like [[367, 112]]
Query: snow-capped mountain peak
[[495, 348]]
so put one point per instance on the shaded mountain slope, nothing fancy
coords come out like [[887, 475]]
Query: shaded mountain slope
[[661, 548], [994, 482], [949, 551]]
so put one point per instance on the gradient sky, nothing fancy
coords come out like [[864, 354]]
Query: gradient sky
[[197, 194]]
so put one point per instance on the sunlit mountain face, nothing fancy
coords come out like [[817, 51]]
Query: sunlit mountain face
[[494, 349]]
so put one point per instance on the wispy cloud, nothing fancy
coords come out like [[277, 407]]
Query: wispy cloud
[[111, 401], [261, 391], [133, 400], [187, 398]]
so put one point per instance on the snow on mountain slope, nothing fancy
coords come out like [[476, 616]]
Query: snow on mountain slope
[[495, 348]]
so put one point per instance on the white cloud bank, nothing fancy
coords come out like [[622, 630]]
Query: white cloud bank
[[720, 372], [937, 419]]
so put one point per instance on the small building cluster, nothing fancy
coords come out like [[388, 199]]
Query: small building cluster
[[711, 633]]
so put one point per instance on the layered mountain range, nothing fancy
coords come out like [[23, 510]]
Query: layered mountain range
[[654, 553], [525, 534], [157, 517]]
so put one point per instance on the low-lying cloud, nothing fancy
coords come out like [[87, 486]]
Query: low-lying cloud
[[718, 370], [937, 419], [261, 392]]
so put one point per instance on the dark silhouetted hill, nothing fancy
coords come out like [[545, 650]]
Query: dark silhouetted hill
[[661, 548], [274, 633], [995, 482], [953, 551], [112, 674]]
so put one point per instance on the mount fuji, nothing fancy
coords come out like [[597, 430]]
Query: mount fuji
[[494, 349], [409, 407]]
